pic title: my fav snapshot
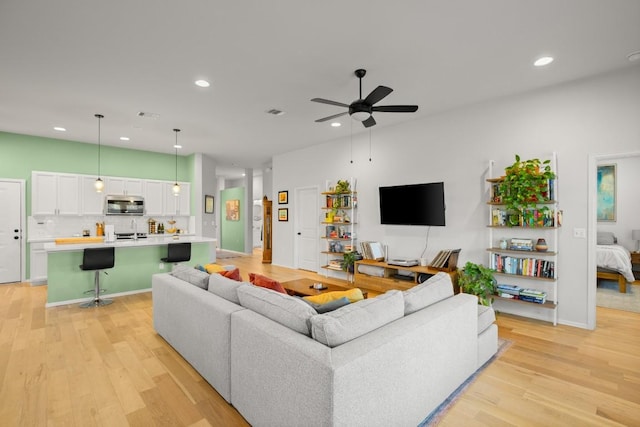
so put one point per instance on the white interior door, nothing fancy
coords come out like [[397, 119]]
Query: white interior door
[[10, 232], [306, 228]]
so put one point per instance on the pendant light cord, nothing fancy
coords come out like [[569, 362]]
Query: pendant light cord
[[369, 144], [99, 116], [176, 147]]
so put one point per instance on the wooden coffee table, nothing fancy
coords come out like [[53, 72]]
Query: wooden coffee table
[[304, 287]]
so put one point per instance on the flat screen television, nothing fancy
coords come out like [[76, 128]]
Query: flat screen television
[[415, 204]]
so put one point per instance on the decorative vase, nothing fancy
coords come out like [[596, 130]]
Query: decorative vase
[[503, 243], [541, 245]]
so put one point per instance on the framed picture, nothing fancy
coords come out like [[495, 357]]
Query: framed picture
[[233, 210], [208, 204], [283, 197], [283, 214], [606, 184]]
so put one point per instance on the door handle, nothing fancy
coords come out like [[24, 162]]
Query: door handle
[[299, 234], [16, 237], [16, 230]]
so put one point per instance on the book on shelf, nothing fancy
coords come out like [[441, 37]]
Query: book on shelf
[[531, 267], [445, 259], [372, 250]]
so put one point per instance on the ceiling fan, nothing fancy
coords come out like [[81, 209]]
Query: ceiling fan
[[362, 109]]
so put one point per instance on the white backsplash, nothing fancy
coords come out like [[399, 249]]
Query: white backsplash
[[70, 226]]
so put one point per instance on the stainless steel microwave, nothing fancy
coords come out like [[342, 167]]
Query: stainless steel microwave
[[124, 205]]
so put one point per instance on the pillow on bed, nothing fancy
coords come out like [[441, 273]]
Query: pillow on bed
[[606, 238]]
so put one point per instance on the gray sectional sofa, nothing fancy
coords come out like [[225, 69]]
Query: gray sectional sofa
[[388, 360]]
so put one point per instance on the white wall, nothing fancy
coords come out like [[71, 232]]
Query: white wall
[[627, 200], [598, 115]]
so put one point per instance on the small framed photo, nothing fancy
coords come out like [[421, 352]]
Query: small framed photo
[[283, 214], [208, 204], [283, 197]]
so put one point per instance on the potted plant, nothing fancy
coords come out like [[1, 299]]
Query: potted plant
[[478, 280], [348, 261], [526, 183], [343, 186]]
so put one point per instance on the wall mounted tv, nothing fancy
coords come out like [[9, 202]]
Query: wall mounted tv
[[415, 204]]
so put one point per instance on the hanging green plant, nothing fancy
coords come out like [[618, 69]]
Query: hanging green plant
[[526, 184]]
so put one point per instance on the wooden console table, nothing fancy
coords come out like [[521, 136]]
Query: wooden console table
[[391, 278]]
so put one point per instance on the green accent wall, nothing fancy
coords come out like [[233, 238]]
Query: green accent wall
[[132, 271], [232, 232], [22, 154]]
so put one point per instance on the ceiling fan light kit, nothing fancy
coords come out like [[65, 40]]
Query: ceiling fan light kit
[[362, 109]]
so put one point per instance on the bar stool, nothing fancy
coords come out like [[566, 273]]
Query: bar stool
[[178, 252], [97, 259]]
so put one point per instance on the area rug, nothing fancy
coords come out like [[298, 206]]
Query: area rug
[[608, 295], [436, 415], [222, 254]]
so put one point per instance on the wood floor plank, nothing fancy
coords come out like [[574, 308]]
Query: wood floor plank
[[107, 366]]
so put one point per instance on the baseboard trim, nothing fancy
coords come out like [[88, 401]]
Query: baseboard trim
[[81, 300]]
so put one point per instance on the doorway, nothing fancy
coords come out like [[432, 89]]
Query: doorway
[[11, 231], [594, 160], [306, 228]]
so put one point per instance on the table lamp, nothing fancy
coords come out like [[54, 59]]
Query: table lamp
[[635, 235]]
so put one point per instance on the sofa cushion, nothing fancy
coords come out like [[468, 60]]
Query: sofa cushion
[[329, 306], [354, 320], [266, 282], [224, 287], [486, 317], [213, 268], [282, 308], [232, 274], [191, 275], [435, 289], [353, 295]]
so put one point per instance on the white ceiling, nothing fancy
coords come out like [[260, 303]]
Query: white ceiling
[[63, 61]]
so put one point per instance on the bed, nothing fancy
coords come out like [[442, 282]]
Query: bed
[[613, 261]]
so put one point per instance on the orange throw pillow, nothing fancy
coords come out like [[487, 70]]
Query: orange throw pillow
[[266, 282], [232, 274]]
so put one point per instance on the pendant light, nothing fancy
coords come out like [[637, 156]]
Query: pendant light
[[99, 184], [176, 186]]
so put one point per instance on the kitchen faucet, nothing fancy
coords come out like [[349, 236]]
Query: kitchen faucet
[[135, 228]]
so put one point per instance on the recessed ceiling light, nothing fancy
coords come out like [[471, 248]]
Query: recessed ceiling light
[[545, 60], [124, 138], [177, 146], [336, 124], [59, 129], [634, 56], [202, 83]]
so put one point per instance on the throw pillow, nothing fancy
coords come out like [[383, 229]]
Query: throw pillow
[[191, 275], [605, 238], [354, 320], [266, 282], [282, 308], [354, 295], [224, 287], [435, 289], [232, 274], [330, 306], [213, 268]]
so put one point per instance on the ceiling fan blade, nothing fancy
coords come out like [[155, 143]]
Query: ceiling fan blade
[[331, 117], [377, 94], [369, 122], [396, 108], [326, 101]]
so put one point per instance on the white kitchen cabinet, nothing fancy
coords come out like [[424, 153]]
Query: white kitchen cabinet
[[55, 194], [125, 186], [154, 197], [177, 204], [92, 201], [38, 267]]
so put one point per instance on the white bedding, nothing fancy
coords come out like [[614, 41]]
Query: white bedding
[[615, 257]]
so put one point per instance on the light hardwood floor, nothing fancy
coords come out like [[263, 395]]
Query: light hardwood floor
[[107, 367]]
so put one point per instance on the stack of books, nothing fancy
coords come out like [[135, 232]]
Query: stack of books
[[372, 250], [533, 295], [446, 259], [509, 291], [522, 266]]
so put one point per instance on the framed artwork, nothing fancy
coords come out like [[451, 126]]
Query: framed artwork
[[283, 214], [208, 204], [606, 184], [233, 210], [283, 197]]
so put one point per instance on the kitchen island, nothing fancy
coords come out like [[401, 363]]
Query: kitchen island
[[136, 261]]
